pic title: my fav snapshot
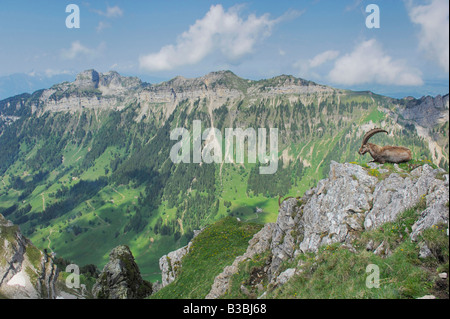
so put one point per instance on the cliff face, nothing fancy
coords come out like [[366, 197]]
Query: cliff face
[[427, 111], [352, 200], [25, 272]]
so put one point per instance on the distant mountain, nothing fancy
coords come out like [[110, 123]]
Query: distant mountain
[[85, 165], [19, 83]]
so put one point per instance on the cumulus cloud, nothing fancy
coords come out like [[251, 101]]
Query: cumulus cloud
[[77, 49], [434, 29], [368, 63], [219, 30]]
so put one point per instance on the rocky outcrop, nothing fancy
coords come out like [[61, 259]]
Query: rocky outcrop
[[351, 200], [25, 271], [170, 264], [397, 193], [121, 278]]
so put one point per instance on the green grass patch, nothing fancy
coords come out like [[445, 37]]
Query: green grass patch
[[34, 255], [375, 116], [214, 248]]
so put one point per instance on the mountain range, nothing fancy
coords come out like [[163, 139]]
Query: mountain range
[[85, 165]]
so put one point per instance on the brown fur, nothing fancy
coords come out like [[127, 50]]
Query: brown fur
[[386, 154]]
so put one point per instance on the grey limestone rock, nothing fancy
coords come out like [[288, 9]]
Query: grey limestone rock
[[121, 278], [25, 271]]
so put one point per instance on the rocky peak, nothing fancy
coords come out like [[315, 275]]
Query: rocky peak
[[121, 277], [91, 79], [114, 80], [88, 79], [354, 199], [226, 80], [220, 75]]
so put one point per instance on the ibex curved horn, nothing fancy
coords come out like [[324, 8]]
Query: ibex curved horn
[[371, 133]]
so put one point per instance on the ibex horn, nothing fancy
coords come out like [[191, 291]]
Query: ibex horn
[[372, 133]]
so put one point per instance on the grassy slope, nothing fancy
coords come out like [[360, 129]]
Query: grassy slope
[[213, 249]]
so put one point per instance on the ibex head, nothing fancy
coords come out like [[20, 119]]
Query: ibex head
[[364, 148]]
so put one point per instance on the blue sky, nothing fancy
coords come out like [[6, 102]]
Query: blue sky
[[326, 41]]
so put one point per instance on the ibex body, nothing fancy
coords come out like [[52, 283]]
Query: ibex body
[[384, 154]]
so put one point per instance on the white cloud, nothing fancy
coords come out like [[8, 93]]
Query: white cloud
[[111, 12], [322, 58], [219, 30], [434, 34], [77, 49], [368, 63]]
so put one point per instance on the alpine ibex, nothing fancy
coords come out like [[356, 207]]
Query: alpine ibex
[[384, 154]]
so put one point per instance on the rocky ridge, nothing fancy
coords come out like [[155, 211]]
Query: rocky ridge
[[111, 91]]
